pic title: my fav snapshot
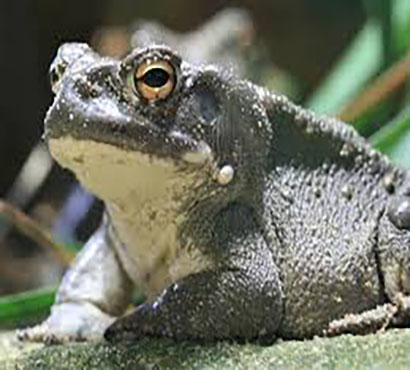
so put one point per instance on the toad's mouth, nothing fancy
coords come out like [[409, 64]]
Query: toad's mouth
[[175, 147], [104, 122]]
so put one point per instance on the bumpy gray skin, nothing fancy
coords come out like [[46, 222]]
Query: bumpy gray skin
[[310, 236]]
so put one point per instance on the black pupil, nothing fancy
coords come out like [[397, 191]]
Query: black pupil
[[156, 77]]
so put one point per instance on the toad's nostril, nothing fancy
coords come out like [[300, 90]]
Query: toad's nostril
[[54, 77], [68, 55], [56, 73]]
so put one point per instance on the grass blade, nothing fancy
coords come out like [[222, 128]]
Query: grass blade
[[394, 139], [357, 66], [23, 307]]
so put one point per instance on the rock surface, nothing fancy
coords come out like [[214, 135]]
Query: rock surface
[[379, 351]]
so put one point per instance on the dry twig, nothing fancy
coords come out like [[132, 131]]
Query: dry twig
[[32, 230], [379, 90]]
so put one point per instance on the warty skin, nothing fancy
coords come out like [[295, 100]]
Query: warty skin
[[240, 214]]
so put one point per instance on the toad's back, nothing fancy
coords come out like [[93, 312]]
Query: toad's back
[[323, 201]]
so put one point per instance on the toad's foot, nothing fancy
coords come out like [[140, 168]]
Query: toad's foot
[[369, 321], [69, 322], [378, 319], [402, 318]]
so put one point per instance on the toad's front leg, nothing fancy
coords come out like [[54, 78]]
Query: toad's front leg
[[93, 292], [240, 297]]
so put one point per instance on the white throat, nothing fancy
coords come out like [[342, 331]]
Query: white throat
[[143, 196]]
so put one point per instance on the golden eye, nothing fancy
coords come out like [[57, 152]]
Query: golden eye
[[155, 79]]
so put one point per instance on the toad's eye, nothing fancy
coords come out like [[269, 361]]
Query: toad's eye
[[155, 79]]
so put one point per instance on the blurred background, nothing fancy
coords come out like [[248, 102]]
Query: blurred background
[[347, 58]]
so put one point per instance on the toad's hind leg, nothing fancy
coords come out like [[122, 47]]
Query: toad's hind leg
[[393, 256]]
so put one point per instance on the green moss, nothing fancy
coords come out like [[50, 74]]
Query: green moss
[[387, 350]]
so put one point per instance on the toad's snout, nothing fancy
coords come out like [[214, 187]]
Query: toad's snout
[[67, 56]]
